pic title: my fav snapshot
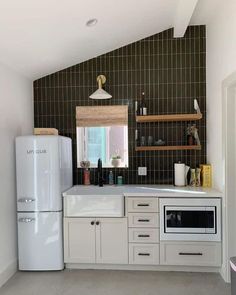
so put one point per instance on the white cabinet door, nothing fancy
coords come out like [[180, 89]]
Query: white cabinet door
[[79, 240], [111, 240]]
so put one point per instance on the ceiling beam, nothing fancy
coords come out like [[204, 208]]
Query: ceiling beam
[[184, 13]]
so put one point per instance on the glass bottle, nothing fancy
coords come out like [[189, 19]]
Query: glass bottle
[[111, 178], [143, 105]]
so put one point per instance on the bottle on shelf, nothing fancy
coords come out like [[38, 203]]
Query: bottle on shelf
[[137, 137], [143, 106], [140, 108], [136, 106]]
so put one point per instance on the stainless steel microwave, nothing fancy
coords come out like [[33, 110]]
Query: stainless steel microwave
[[190, 219]]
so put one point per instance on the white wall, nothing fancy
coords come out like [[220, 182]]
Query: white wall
[[221, 62], [16, 118]]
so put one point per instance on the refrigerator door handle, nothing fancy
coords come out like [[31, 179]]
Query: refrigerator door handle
[[26, 200], [26, 219]]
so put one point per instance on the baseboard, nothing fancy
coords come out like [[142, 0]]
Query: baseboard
[[8, 272], [142, 267]]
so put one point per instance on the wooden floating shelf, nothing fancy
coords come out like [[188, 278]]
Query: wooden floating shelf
[[167, 148], [169, 118]]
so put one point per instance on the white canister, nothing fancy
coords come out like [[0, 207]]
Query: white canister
[[179, 174]]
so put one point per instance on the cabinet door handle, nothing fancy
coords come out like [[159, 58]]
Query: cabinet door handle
[[97, 222], [143, 236], [92, 222], [143, 205], [190, 254], [144, 254], [143, 220]]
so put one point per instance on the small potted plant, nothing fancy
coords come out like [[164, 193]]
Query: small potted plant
[[190, 137], [116, 161]]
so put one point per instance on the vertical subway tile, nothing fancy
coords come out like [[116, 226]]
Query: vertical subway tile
[[172, 72]]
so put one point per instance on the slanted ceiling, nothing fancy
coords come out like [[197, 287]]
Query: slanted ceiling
[[41, 37]]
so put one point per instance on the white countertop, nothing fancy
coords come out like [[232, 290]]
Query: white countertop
[[143, 191]]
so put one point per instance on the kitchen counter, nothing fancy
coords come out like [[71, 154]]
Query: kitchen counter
[[143, 191]]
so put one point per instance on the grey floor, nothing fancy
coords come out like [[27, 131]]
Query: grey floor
[[99, 282]]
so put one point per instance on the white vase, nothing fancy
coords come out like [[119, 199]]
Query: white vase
[[115, 162]]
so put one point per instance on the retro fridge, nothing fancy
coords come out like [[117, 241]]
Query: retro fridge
[[43, 172]]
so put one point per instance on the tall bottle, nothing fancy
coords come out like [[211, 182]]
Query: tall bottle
[[111, 178], [143, 106], [136, 107]]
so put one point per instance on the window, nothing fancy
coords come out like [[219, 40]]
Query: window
[[105, 142], [102, 142]]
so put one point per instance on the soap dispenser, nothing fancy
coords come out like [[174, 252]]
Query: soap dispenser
[[111, 178]]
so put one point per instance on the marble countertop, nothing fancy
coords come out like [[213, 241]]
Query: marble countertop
[[143, 191]]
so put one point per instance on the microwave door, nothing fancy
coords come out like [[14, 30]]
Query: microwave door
[[189, 219]]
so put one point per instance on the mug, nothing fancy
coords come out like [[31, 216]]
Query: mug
[[150, 140], [143, 141]]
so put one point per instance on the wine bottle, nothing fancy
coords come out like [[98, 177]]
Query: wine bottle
[[143, 105], [140, 108]]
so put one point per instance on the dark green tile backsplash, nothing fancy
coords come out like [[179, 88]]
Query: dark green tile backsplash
[[171, 72]]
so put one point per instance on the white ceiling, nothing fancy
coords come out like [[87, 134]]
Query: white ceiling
[[41, 37]]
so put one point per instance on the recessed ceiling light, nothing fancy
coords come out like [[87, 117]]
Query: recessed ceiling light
[[91, 22]]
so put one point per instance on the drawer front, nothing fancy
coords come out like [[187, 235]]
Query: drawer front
[[190, 253], [143, 219], [143, 205], [144, 254], [144, 235]]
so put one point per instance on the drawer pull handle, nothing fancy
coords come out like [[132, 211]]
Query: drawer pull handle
[[143, 236], [143, 220], [190, 254], [143, 205], [144, 254]]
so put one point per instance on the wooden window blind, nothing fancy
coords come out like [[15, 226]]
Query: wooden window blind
[[92, 116]]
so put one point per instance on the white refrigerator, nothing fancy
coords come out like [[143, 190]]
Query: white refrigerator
[[43, 172]]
